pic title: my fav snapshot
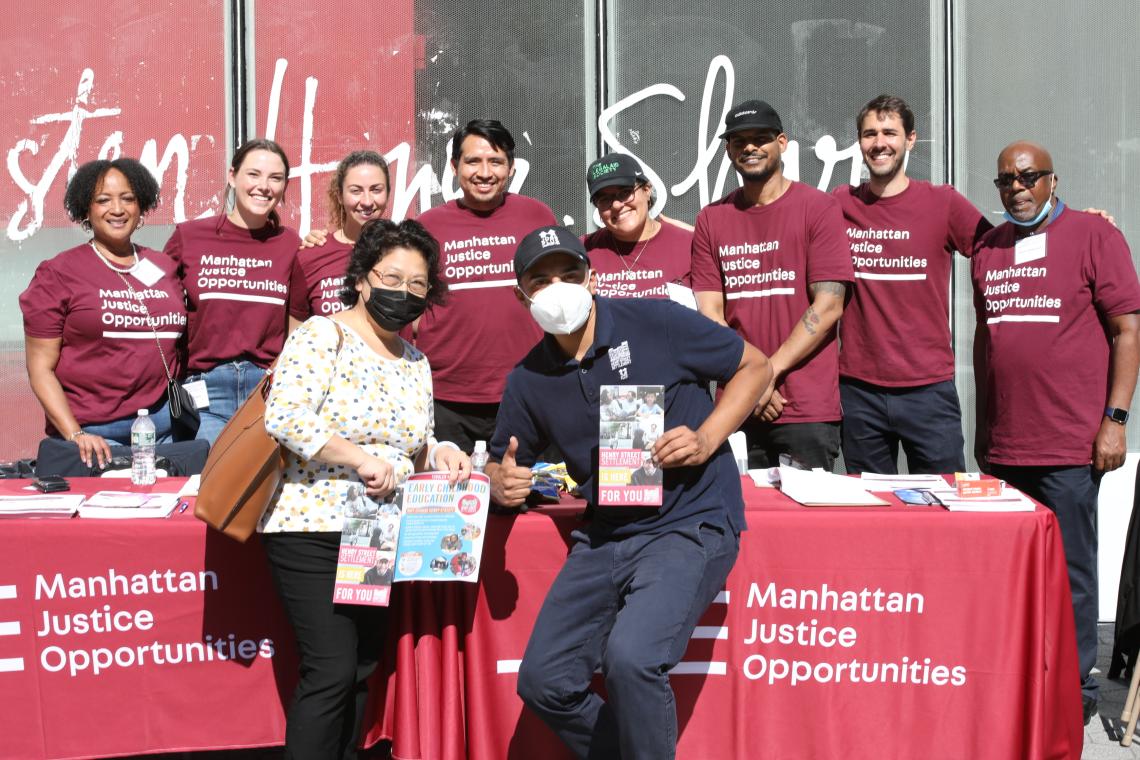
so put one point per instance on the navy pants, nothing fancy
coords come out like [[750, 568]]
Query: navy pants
[[925, 420], [339, 647], [815, 444], [628, 606], [1071, 492]]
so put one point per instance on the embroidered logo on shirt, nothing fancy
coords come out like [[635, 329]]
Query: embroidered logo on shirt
[[620, 360]]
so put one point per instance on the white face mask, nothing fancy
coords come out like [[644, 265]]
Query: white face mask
[[561, 307]]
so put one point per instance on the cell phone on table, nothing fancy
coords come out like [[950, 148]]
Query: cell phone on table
[[52, 483]]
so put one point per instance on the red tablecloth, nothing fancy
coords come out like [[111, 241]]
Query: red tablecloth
[[993, 593], [988, 637], [199, 603]]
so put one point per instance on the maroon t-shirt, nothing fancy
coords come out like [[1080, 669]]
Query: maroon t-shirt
[[109, 364], [482, 332], [1040, 307], [318, 276], [895, 330], [762, 258], [633, 270], [237, 286]]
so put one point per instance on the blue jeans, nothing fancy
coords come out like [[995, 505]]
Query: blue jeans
[[1071, 492], [630, 607], [118, 432], [229, 385], [925, 419]]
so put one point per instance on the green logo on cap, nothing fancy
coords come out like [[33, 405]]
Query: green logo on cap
[[600, 170]]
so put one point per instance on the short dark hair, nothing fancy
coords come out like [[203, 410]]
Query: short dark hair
[[249, 146], [377, 238], [887, 104], [337, 213], [81, 189], [491, 130]]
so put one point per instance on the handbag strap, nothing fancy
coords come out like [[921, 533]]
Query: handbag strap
[[267, 382], [149, 320]]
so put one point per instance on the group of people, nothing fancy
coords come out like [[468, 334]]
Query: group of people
[[823, 320]]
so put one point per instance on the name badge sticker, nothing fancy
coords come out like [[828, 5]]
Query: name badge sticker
[[198, 392], [1029, 249], [147, 272]]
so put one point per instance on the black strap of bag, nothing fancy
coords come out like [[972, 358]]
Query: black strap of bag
[[183, 412]]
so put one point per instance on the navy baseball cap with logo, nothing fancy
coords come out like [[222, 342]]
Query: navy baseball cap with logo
[[546, 240], [751, 114], [617, 169]]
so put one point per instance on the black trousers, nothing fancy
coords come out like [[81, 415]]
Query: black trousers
[[926, 420], [815, 444], [463, 424], [339, 647], [1071, 492]]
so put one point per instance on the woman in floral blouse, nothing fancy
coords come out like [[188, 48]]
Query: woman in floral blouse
[[352, 405]]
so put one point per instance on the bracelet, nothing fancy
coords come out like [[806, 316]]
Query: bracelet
[[434, 448], [76, 434]]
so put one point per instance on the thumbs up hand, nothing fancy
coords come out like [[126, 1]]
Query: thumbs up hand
[[510, 482]]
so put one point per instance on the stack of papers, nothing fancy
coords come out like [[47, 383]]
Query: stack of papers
[[114, 505], [819, 488], [40, 505], [875, 482], [1010, 500]]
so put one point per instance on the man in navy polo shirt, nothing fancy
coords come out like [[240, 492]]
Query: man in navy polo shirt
[[637, 578]]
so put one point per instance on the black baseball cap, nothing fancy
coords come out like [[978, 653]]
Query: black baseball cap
[[614, 169], [546, 240], [751, 114]]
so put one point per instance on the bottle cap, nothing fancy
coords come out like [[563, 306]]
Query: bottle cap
[[144, 412], [480, 446]]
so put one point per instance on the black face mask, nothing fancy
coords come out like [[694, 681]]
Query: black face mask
[[394, 309]]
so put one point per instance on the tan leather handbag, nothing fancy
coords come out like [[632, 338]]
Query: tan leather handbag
[[244, 467]]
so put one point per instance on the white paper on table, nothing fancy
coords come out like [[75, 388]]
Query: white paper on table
[[877, 482], [42, 505], [127, 505], [766, 477], [190, 488], [1010, 500], [818, 488]]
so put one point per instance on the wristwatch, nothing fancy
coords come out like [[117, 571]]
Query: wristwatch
[[1116, 414]]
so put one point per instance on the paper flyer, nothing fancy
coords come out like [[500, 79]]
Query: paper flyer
[[441, 538], [364, 568], [631, 419]]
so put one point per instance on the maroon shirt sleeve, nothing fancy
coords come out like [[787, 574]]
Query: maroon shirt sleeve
[[829, 254], [706, 273], [298, 292], [1115, 289], [965, 223], [44, 303]]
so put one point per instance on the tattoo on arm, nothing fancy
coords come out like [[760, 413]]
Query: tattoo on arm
[[828, 286], [810, 320]]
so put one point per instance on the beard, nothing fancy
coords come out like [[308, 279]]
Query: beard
[[761, 175]]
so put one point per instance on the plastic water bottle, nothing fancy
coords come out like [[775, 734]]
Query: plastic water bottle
[[479, 456], [142, 450]]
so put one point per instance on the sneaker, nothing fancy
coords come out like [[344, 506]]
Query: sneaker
[[1089, 707]]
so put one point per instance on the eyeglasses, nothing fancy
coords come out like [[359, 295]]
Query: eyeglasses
[[417, 286], [1025, 179], [603, 200]]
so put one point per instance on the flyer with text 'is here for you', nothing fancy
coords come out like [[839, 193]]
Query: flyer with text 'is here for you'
[[631, 419], [430, 530]]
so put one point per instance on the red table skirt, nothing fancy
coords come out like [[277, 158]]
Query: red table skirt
[[895, 633], [159, 636]]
